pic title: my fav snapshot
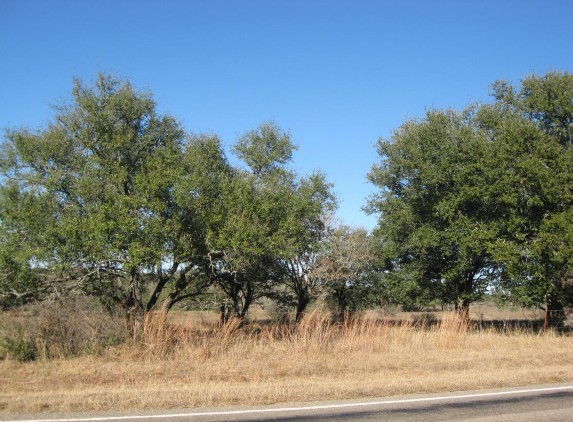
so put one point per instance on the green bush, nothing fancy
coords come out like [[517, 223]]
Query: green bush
[[18, 349]]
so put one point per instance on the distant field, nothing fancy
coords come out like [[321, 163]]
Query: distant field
[[478, 312], [193, 364]]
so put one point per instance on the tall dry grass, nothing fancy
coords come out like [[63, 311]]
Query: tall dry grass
[[316, 333], [181, 365]]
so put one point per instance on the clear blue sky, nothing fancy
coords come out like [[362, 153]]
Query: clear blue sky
[[337, 74]]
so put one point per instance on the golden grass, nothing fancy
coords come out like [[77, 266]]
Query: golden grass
[[181, 367]]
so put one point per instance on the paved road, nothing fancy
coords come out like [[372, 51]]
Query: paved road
[[539, 403]]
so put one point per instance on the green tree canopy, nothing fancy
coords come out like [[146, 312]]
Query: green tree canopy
[[117, 201], [434, 227], [104, 195], [482, 197], [272, 218], [531, 129]]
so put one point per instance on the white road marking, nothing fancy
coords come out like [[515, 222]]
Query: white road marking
[[299, 409]]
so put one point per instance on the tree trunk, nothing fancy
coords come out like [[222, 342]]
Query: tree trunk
[[342, 299], [302, 302], [135, 308], [245, 308], [135, 317], [462, 309], [224, 313], [244, 300]]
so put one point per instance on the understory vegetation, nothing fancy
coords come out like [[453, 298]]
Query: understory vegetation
[[186, 363], [79, 326]]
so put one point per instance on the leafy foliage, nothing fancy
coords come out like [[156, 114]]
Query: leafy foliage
[[482, 197], [118, 201], [533, 130], [272, 219], [98, 196], [434, 229]]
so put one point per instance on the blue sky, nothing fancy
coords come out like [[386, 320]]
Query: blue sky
[[337, 74]]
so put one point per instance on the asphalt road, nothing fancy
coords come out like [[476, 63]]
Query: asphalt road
[[536, 403]]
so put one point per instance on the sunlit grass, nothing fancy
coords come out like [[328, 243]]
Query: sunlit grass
[[183, 365]]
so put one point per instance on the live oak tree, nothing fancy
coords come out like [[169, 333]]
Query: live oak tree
[[482, 198], [115, 200], [243, 264], [272, 221], [434, 228], [307, 225], [532, 132], [104, 198]]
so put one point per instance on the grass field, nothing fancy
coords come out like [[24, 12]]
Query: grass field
[[190, 363], [480, 311]]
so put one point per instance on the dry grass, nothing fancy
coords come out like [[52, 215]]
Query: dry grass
[[179, 366]]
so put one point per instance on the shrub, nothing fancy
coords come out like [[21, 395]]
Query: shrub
[[70, 327], [18, 348]]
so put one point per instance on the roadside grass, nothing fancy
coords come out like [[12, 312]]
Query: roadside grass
[[184, 364]]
